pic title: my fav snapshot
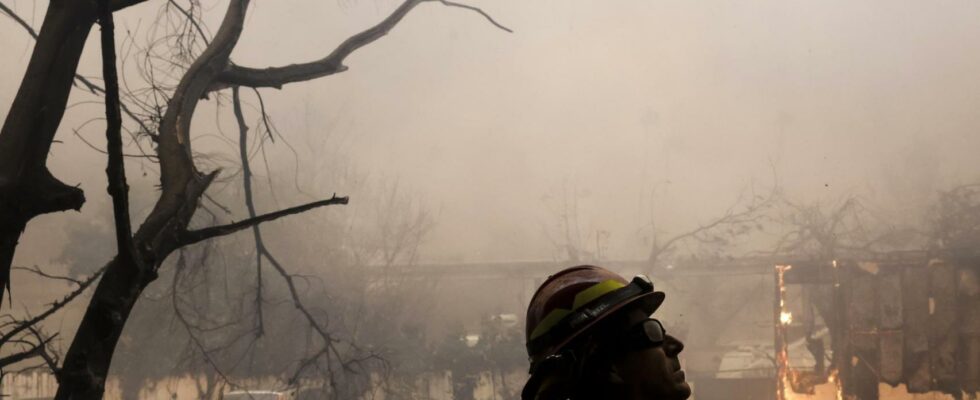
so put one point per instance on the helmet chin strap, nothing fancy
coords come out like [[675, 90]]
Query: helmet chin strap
[[566, 373]]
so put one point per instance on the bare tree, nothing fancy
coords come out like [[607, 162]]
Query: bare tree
[[846, 228], [27, 189], [956, 219], [565, 235]]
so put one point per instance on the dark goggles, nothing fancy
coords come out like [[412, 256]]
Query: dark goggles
[[645, 334]]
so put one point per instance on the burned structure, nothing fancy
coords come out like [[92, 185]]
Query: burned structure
[[909, 318]]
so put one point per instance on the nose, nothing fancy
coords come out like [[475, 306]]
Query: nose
[[672, 346]]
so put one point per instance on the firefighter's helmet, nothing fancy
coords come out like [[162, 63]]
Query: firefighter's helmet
[[571, 301]]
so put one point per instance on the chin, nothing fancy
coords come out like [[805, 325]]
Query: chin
[[678, 391], [683, 391]]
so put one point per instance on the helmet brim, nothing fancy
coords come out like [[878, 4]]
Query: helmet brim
[[648, 302]]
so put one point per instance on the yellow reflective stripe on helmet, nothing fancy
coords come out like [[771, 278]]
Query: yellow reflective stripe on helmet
[[581, 299], [549, 321], [586, 296]]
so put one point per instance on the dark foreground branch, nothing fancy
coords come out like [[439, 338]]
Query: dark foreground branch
[[53, 308], [334, 62], [20, 21], [195, 236], [115, 168], [35, 350]]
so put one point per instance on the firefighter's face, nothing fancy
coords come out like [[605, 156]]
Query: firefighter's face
[[654, 372]]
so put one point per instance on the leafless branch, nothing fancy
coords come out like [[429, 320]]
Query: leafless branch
[[193, 21], [6, 10], [478, 10], [733, 216], [265, 116], [116, 168], [250, 203], [117, 5], [195, 236], [53, 308], [35, 350], [181, 265], [331, 64], [329, 349], [37, 271], [94, 147], [50, 358]]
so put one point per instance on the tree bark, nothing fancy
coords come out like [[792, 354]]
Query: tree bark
[[27, 189], [86, 366]]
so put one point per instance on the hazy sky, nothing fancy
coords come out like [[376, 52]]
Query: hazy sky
[[606, 101]]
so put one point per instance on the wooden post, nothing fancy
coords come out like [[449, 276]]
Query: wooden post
[[838, 337]]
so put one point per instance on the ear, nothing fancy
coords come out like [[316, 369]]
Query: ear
[[615, 386], [613, 375]]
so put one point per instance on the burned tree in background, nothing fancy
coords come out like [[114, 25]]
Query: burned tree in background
[[745, 216]]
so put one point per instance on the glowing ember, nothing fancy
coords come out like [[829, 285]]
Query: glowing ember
[[834, 379], [786, 317]]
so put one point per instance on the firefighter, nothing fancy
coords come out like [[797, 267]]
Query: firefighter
[[590, 336]]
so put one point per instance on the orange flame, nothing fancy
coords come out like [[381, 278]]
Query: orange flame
[[782, 351]]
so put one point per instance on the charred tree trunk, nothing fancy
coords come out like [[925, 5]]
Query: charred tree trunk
[[86, 366], [27, 189]]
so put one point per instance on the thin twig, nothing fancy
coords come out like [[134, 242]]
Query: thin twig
[[37, 271], [250, 204], [181, 265], [192, 20], [57, 305], [483, 13], [265, 117]]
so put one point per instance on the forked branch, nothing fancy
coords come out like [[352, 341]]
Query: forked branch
[[332, 63]]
